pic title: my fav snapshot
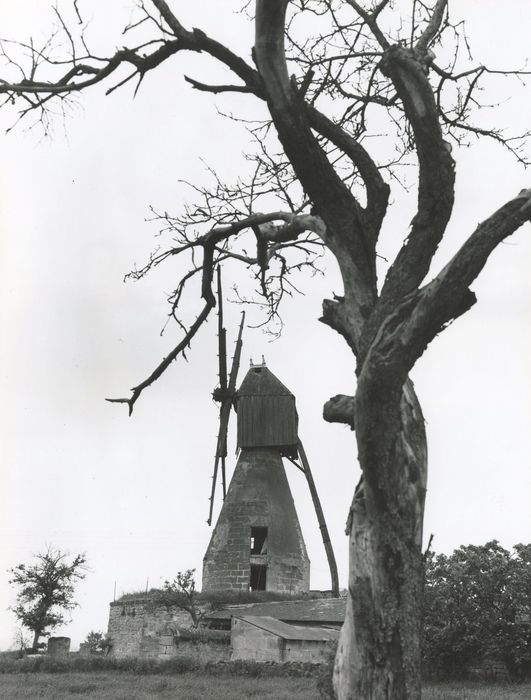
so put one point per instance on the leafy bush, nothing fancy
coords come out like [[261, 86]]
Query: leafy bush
[[477, 606], [324, 677], [98, 642]]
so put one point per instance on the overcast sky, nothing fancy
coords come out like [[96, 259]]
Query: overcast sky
[[79, 474]]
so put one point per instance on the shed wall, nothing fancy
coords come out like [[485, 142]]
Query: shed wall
[[306, 650], [254, 644]]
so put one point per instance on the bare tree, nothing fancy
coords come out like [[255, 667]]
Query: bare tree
[[328, 73]]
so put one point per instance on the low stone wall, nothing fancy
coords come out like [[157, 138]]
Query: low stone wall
[[135, 621], [139, 627]]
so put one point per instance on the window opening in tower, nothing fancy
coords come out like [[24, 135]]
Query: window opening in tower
[[259, 540]]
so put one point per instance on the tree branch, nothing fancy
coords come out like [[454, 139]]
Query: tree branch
[[340, 409], [433, 26], [166, 362], [269, 232], [414, 323], [75, 79], [201, 42], [370, 20], [377, 189], [330, 196], [436, 172], [216, 89]]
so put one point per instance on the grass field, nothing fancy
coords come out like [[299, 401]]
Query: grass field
[[110, 685], [477, 691]]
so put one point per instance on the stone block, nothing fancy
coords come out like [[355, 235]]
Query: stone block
[[58, 646]]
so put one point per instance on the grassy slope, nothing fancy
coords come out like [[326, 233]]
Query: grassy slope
[[125, 686]]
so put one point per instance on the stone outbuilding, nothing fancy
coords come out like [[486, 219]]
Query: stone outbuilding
[[317, 612], [138, 626], [262, 638]]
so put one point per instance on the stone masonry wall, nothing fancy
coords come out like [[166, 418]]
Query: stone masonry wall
[[255, 644], [137, 627], [258, 496], [306, 650]]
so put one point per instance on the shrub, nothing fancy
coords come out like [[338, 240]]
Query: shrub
[[324, 676], [477, 605]]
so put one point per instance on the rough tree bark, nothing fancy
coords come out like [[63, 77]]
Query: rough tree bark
[[379, 649]]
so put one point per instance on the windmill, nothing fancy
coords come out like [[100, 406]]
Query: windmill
[[257, 541]]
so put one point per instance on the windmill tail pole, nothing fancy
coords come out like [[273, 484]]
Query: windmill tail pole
[[223, 476], [321, 520], [222, 339], [213, 489]]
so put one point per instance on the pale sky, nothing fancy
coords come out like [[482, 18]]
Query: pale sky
[[132, 493]]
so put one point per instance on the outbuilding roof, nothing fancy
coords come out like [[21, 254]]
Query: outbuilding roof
[[320, 610], [289, 632]]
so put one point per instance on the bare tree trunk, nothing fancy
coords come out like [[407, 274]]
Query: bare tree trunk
[[379, 649]]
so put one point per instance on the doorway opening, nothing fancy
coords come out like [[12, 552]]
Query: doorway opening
[[257, 580]]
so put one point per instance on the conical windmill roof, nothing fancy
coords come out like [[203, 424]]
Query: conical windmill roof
[[259, 380]]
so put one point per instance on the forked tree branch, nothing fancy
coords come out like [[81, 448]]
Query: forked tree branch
[[263, 226], [325, 188], [413, 324], [377, 189], [370, 20], [436, 172], [75, 78], [433, 26]]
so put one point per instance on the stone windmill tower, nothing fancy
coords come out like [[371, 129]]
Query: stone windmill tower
[[257, 542]]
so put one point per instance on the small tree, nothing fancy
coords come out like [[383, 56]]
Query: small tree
[[20, 642], [98, 642], [180, 593], [46, 590], [477, 606]]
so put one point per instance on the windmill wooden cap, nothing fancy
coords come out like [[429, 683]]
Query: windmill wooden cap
[[267, 415], [260, 381]]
